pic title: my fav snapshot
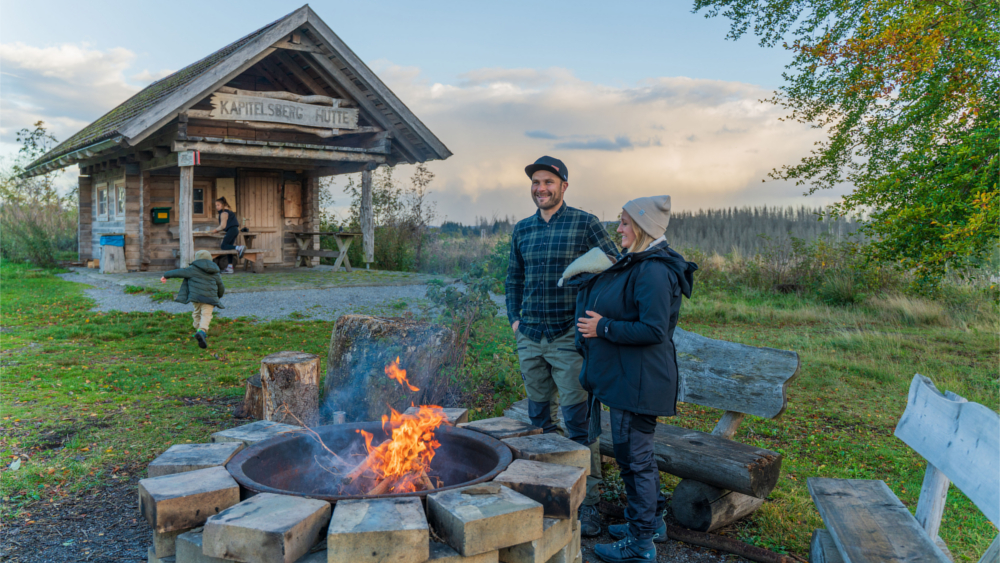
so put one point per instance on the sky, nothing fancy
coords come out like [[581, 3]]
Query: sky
[[637, 98]]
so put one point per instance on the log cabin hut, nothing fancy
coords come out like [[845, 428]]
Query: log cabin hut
[[258, 122]]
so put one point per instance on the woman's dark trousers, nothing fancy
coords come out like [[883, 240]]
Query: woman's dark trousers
[[227, 242], [633, 438]]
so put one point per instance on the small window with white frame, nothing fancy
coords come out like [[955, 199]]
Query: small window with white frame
[[120, 200], [102, 202]]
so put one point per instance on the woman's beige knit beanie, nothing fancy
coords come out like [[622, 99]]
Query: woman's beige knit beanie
[[652, 214]]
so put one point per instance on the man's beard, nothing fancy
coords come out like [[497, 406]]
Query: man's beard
[[555, 200]]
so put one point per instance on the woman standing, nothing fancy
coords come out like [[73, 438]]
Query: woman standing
[[229, 224], [626, 314]]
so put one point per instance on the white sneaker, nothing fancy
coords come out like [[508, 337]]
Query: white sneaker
[[228, 270], [239, 251]]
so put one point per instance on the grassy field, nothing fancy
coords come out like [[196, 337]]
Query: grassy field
[[87, 397]]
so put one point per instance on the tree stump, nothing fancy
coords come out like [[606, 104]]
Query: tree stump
[[360, 349], [253, 401], [705, 508], [290, 386]]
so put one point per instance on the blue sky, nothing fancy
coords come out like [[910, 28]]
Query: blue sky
[[636, 97]]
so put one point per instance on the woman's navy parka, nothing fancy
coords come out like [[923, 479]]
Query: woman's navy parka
[[631, 365]]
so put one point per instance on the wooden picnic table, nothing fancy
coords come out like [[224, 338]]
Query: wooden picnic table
[[343, 240]]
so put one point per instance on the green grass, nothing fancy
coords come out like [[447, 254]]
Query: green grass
[[88, 396], [857, 364]]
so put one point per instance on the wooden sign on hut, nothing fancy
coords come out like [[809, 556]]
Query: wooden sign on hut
[[258, 122]]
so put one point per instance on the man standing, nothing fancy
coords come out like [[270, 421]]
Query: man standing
[[542, 314]]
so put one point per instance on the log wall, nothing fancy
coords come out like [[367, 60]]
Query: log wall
[[85, 219], [111, 223]]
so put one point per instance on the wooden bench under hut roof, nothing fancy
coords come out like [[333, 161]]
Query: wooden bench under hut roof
[[258, 122]]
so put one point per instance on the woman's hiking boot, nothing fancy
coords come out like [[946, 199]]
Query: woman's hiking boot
[[619, 531], [202, 339], [627, 550], [590, 521]]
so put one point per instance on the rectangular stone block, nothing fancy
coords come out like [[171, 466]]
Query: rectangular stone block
[[152, 558], [185, 500], [378, 530], [556, 535], [252, 433], [502, 427], [550, 448], [319, 556], [571, 553], [165, 544], [190, 457], [443, 553], [455, 416], [266, 528], [189, 549], [559, 488], [491, 519]]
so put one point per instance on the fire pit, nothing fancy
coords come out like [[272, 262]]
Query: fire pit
[[296, 464]]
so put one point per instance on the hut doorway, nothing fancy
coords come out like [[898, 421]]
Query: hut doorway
[[258, 204]]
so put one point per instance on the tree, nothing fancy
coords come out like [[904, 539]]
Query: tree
[[909, 93]]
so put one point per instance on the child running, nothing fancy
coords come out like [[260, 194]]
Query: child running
[[202, 287]]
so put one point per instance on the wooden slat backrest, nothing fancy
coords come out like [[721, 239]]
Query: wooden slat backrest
[[733, 377], [959, 438]]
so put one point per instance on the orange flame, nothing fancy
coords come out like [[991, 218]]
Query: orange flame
[[392, 370], [406, 457]]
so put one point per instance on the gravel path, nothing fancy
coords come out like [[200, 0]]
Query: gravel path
[[308, 304]]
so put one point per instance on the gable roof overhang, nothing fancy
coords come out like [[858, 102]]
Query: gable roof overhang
[[145, 113]]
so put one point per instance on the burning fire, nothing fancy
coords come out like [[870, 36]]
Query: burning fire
[[392, 370], [401, 463]]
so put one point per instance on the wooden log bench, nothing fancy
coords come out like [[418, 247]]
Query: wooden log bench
[[253, 258], [864, 519], [722, 480]]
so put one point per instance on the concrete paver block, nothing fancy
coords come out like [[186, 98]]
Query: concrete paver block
[[266, 528], [455, 416], [152, 558], [189, 549], [252, 433], [164, 544], [190, 457], [443, 553], [502, 427], [550, 448], [479, 523], [571, 552], [559, 488], [319, 556], [379, 530], [557, 534], [185, 500]]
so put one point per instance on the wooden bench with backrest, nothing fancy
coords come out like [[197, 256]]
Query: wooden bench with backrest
[[722, 480], [252, 257], [864, 519]]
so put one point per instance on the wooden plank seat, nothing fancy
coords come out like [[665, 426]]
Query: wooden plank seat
[[864, 519], [253, 258], [722, 480]]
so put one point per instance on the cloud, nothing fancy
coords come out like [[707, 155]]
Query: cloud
[[540, 135], [707, 143], [68, 86]]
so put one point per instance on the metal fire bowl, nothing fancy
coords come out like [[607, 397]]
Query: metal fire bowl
[[285, 464]]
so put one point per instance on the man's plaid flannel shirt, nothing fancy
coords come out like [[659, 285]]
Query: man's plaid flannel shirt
[[539, 253]]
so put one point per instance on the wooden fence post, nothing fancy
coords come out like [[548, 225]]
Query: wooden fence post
[[367, 216]]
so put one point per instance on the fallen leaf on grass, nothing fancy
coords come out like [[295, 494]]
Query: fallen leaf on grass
[[15, 465]]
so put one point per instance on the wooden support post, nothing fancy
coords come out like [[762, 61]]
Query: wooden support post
[[85, 219], [289, 382], [933, 494], [705, 508], [367, 216], [184, 215], [727, 425]]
